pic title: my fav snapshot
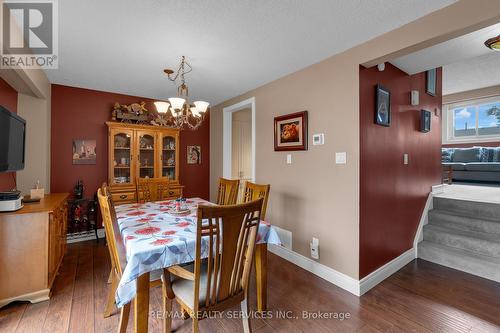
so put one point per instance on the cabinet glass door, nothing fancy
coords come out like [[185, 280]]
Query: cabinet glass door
[[168, 157], [122, 154], [147, 143]]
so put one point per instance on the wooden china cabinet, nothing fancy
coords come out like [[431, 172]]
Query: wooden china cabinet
[[141, 151]]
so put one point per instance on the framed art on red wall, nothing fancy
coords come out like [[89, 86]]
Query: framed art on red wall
[[290, 132]]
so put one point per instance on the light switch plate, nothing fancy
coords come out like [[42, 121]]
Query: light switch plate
[[318, 139], [406, 159], [341, 158], [289, 159]]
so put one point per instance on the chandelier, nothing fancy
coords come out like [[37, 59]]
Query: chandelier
[[178, 112], [493, 43]]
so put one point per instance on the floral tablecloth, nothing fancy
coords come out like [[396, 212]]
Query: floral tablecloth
[[155, 239]]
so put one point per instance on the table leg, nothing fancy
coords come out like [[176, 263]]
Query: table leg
[[261, 275], [141, 304]]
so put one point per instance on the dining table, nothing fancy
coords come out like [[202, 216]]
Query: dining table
[[156, 236]]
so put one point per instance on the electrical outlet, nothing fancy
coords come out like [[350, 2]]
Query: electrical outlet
[[406, 159], [315, 248]]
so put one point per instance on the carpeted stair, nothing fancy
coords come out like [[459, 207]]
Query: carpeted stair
[[463, 235]]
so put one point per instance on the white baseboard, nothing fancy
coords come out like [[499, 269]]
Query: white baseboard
[[355, 287], [329, 274], [90, 236], [423, 221], [382, 273]]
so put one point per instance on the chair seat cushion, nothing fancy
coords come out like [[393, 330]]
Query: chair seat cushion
[[184, 289], [490, 166], [455, 166]]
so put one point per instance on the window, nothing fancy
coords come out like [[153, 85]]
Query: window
[[475, 121]]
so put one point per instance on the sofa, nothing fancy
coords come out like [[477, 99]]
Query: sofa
[[477, 164]]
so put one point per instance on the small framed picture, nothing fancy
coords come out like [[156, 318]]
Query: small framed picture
[[382, 106], [425, 121], [193, 154], [430, 82], [290, 132], [84, 151]]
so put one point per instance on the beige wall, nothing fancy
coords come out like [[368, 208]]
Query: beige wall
[[36, 112], [472, 94], [314, 196]]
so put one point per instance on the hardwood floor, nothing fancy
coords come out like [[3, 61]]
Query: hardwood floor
[[422, 297]]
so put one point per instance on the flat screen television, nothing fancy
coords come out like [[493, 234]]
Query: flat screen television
[[12, 141]]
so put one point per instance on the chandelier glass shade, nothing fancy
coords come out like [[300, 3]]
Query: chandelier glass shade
[[493, 43], [178, 112]]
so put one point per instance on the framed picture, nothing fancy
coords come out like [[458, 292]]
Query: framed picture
[[430, 82], [290, 132], [193, 154], [84, 151], [425, 121], [382, 106]]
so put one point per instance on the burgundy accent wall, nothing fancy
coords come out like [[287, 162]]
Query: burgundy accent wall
[[81, 114], [8, 99], [393, 195]]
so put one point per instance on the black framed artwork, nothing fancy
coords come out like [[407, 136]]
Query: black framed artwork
[[425, 121], [430, 82], [382, 106]]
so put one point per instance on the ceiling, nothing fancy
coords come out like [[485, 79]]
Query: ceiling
[[234, 46], [470, 74], [467, 63]]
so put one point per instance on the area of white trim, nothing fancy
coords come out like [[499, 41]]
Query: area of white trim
[[227, 114], [329, 274], [91, 236], [424, 218], [382, 273], [359, 287]]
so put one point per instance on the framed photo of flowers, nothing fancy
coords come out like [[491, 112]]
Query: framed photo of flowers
[[290, 132]]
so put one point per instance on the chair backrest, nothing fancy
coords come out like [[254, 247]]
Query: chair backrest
[[143, 189], [152, 189], [229, 235], [117, 251], [162, 188], [227, 192], [256, 191]]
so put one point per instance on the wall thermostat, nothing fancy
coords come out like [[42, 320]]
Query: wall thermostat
[[318, 139]]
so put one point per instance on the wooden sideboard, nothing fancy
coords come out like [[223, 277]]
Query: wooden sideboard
[[32, 245], [139, 152]]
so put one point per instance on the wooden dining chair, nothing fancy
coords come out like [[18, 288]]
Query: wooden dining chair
[[217, 283], [162, 189], [144, 190], [117, 255], [254, 191], [227, 192]]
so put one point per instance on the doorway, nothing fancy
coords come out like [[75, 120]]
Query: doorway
[[241, 164], [239, 141]]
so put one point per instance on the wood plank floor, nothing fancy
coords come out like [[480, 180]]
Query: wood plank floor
[[422, 297]]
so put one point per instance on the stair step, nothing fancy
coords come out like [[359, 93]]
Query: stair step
[[477, 242], [474, 209], [449, 219], [483, 266]]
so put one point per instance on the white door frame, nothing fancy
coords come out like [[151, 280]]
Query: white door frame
[[227, 136]]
